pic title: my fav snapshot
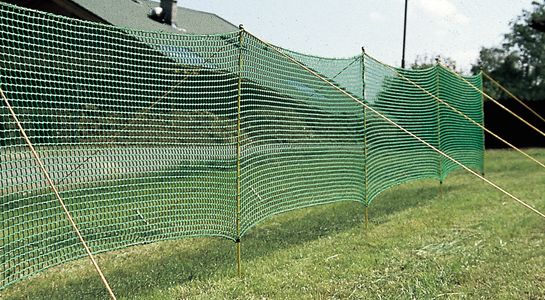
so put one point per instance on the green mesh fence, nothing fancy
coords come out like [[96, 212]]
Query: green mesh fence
[[140, 133], [302, 140], [469, 150], [394, 157]]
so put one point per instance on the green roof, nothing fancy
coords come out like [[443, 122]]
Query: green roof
[[134, 14]]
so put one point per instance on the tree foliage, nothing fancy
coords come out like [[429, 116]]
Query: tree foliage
[[427, 61], [519, 63]]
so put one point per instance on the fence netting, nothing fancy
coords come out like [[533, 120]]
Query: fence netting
[[139, 132]]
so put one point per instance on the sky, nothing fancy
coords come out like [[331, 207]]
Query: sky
[[450, 28]]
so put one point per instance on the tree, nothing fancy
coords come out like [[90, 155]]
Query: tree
[[519, 63], [428, 61]]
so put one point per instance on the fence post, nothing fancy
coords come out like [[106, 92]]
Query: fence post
[[439, 146], [365, 193], [3, 141], [482, 116], [4, 268], [239, 96]]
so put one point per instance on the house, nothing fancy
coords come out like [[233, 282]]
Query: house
[[136, 16], [203, 72], [131, 14], [194, 66]]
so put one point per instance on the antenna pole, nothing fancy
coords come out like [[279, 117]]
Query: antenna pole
[[404, 36]]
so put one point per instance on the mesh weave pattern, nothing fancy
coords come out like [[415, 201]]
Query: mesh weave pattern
[[139, 131]]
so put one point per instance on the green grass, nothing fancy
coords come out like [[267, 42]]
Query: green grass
[[472, 242]]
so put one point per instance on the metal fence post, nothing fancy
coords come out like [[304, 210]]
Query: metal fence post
[[365, 193], [439, 146], [239, 96]]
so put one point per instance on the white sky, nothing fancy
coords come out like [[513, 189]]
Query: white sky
[[453, 28]]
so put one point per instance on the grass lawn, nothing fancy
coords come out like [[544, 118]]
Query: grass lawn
[[471, 242]]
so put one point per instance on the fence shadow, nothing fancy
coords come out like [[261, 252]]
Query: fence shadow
[[140, 270]]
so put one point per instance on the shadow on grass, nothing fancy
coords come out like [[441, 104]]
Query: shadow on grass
[[407, 196], [143, 270]]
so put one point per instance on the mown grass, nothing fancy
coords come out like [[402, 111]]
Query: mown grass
[[471, 242]]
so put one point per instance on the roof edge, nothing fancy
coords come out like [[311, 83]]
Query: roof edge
[[74, 4]]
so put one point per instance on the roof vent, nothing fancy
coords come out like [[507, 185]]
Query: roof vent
[[166, 13]]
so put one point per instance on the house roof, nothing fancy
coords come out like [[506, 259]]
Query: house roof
[[134, 14]]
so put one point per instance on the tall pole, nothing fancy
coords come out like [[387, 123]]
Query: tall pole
[[439, 144], [239, 100], [365, 162], [404, 36]]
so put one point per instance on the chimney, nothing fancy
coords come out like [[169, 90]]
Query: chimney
[[170, 8]]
